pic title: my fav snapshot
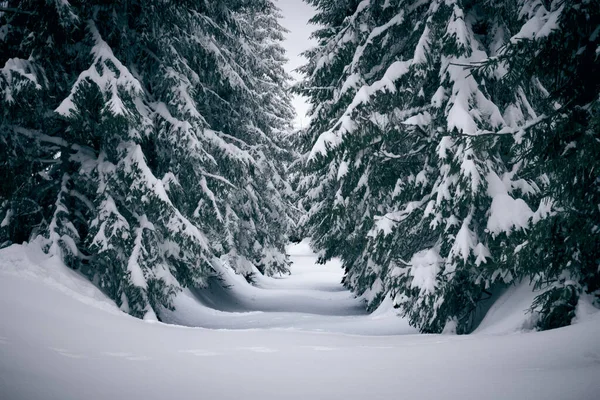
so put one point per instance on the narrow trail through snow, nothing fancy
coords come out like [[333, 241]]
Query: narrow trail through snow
[[310, 298]]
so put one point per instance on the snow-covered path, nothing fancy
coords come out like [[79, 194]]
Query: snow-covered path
[[60, 338], [311, 298]]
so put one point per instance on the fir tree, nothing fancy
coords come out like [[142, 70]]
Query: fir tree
[[151, 134], [413, 177], [400, 144], [553, 62]]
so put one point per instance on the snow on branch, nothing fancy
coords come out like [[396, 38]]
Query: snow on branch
[[108, 73], [345, 124]]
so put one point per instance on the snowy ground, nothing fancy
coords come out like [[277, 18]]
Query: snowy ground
[[312, 298], [60, 338]]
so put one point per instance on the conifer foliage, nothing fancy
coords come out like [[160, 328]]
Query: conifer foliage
[[139, 140], [453, 151]]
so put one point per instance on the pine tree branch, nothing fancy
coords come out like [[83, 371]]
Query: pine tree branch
[[16, 11], [37, 135], [88, 203], [404, 262], [38, 208], [534, 122], [318, 88], [389, 155]]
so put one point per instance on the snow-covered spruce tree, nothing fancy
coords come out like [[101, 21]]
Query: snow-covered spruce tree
[[30, 154], [239, 205], [153, 121], [341, 187], [263, 58], [297, 144], [404, 127], [435, 242], [379, 119], [553, 62]]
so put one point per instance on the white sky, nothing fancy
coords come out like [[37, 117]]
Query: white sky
[[296, 14]]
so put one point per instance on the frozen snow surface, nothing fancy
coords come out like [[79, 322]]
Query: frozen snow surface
[[298, 337]]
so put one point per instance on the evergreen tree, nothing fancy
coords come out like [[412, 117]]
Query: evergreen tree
[[553, 60], [398, 145], [149, 134], [414, 178], [339, 191]]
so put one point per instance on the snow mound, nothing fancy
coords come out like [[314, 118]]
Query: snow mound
[[25, 261], [510, 313]]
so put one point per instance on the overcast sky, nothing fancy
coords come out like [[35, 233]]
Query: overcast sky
[[296, 14]]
